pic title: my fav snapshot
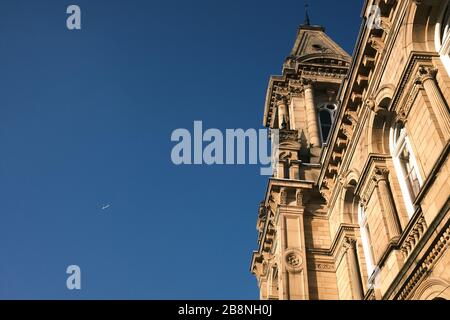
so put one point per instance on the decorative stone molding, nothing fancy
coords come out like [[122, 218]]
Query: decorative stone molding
[[347, 131], [294, 261], [408, 75], [326, 267], [413, 237], [385, 24], [376, 43], [380, 174], [364, 202], [356, 97], [296, 86], [403, 111], [370, 104], [336, 156], [281, 92], [299, 198], [427, 264], [307, 83], [341, 143], [348, 243], [426, 73], [283, 196], [288, 136]]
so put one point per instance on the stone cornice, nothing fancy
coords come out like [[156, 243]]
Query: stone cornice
[[356, 91], [279, 183], [372, 161], [409, 76]]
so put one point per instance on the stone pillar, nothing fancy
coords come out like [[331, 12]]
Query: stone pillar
[[311, 115], [280, 169], [387, 203], [355, 273], [282, 114], [263, 290], [294, 271], [294, 170], [427, 77]]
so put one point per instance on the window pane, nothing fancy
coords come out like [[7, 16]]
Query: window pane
[[445, 24], [325, 124]]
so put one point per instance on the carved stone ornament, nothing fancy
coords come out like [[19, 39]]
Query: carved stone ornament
[[370, 104], [364, 202], [376, 43], [348, 243], [296, 86], [380, 174], [299, 198], [283, 196], [294, 260], [426, 73]]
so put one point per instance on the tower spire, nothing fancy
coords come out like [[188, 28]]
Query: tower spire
[[307, 20]]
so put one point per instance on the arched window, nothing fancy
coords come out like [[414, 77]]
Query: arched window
[[405, 166], [366, 241], [326, 119], [442, 35]]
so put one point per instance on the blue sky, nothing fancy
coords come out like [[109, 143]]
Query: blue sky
[[86, 118]]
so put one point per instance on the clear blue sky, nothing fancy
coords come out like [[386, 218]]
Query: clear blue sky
[[86, 118]]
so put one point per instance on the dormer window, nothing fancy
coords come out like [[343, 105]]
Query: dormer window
[[326, 119]]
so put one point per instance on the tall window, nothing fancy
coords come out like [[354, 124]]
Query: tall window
[[406, 166], [442, 35], [366, 241], [326, 119]]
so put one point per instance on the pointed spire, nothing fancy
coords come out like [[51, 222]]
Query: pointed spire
[[307, 20]]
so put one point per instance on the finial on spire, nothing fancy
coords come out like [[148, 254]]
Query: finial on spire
[[307, 21]]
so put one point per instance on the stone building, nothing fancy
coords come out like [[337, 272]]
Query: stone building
[[358, 206]]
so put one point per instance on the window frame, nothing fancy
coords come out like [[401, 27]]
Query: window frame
[[366, 241], [400, 141], [324, 107], [442, 35]]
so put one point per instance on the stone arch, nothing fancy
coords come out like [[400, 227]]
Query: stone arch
[[380, 124], [420, 25], [350, 200], [432, 289], [385, 91]]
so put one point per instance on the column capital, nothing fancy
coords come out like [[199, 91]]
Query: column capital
[[348, 243], [364, 202], [281, 100], [307, 83], [380, 174], [426, 73]]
